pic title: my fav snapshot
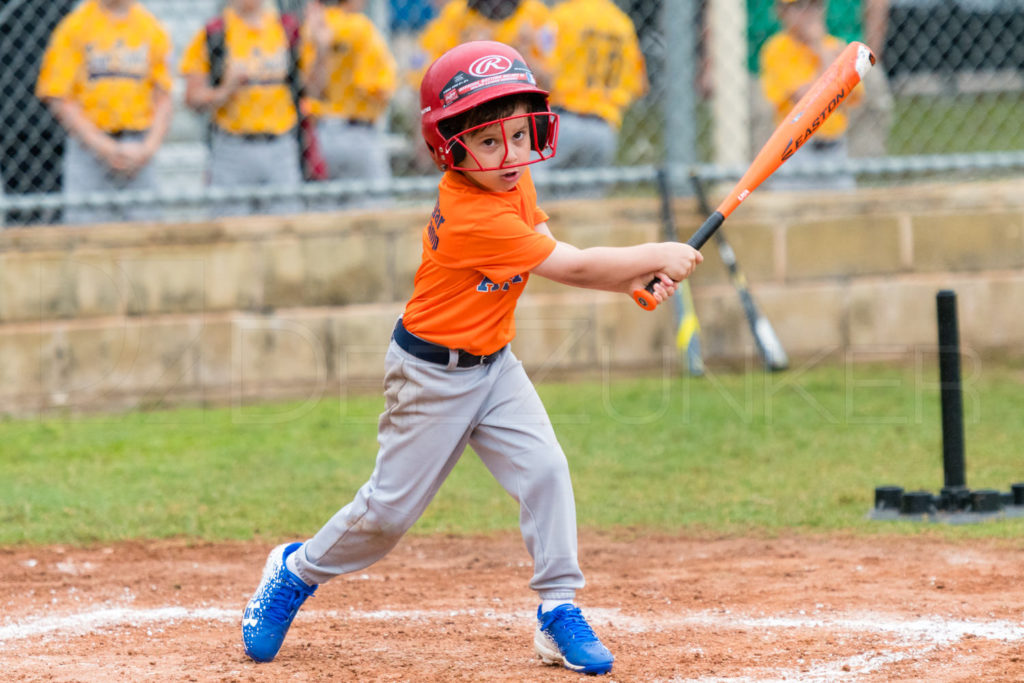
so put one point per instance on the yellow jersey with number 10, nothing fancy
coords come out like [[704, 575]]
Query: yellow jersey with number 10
[[599, 69]]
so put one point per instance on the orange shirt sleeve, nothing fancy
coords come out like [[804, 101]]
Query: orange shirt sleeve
[[61, 63], [500, 245]]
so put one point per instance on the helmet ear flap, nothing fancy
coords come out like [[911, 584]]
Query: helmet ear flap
[[541, 127], [438, 158], [544, 124], [545, 127], [457, 150]]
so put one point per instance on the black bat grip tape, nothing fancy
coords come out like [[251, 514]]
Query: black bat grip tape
[[698, 240], [705, 231]]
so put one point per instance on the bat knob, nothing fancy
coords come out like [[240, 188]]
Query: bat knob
[[645, 299]]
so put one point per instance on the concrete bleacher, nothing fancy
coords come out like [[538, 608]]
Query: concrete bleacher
[[129, 315]]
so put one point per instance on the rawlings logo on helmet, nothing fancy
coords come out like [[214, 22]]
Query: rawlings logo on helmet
[[483, 72], [491, 65]]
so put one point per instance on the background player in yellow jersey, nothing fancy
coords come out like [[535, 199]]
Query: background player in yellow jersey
[[106, 76], [350, 78], [790, 61], [254, 115], [600, 72], [524, 24]]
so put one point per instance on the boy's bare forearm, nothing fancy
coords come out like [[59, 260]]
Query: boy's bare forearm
[[611, 269], [75, 121], [163, 111]]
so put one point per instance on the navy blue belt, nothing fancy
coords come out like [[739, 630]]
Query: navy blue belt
[[254, 137], [360, 123], [824, 143], [122, 134], [435, 353]]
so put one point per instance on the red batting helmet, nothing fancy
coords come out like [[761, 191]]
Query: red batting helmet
[[466, 77]]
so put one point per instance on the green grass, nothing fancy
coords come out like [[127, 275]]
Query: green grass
[[988, 122], [725, 454], [921, 124]]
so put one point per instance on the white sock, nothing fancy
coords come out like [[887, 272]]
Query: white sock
[[548, 605], [289, 562]]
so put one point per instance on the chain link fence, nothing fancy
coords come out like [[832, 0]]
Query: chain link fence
[[945, 98]]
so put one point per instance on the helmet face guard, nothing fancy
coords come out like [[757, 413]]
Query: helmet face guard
[[542, 126], [468, 76]]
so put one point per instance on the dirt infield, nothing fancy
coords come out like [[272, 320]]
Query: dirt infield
[[457, 609]]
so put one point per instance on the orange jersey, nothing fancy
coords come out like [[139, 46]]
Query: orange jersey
[[478, 250], [601, 69], [110, 65], [362, 74], [264, 104], [786, 66]]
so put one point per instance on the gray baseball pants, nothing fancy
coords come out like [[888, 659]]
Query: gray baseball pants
[[432, 413], [85, 174], [352, 151], [236, 161]]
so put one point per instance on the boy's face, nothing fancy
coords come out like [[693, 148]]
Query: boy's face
[[804, 19], [247, 6], [498, 146]]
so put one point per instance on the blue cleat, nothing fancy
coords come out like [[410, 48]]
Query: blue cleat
[[273, 606], [564, 637]]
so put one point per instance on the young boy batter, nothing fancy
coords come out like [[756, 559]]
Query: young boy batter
[[451, 379]]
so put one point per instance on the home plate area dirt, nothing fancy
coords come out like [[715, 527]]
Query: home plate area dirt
[[458, 609]]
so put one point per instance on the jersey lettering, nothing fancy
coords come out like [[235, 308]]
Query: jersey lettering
[[436, 221], [341, 49], [604, 59], [120, 61], [266, 68], [488, 285]]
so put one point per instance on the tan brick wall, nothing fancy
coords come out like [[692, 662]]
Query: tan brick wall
[[117, 316]]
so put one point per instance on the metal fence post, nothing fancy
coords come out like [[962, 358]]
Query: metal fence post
[[680, 23], [730, 101]]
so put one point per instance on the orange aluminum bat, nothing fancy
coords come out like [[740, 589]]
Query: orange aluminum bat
[[800, 124]]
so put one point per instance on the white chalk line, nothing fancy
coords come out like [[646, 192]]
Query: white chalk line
[[913, 638], [82, 623]]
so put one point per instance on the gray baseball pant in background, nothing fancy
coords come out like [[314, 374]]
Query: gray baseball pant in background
[[352, 151], [85, 173], [236, 161]]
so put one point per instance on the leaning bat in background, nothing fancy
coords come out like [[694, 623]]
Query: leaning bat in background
[[800, 124], [687, 324], [768, 344]]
